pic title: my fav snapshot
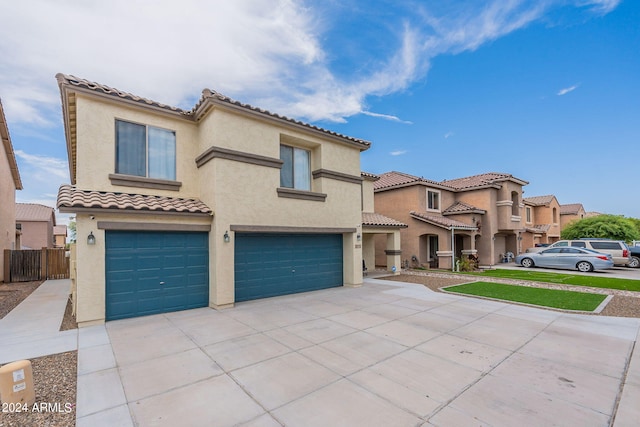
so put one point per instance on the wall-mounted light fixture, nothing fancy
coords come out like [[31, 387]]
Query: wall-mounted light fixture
[[226, 237], [91, 239], [358, 237]]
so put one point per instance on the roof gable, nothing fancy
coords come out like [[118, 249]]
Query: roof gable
[[490, 179], [571, 209], [540, 200], [8, 148]]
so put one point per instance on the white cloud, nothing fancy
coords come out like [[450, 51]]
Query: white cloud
[[272, 54], [448, 135], [398, 152], [387, 117], [566, 90], [46, 167]]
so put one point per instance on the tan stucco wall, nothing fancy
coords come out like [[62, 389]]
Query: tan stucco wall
[[36, 234], [96, 147], [240, 194], [367, 196], [7, 209]]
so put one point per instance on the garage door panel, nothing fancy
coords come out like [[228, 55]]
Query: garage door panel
[[279, 264], [137, 263]]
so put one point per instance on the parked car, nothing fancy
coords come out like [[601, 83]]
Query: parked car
[[569, 258], [634, 252], [617, 248]]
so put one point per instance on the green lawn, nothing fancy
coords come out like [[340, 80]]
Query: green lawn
[[566, 300], [566, 279]]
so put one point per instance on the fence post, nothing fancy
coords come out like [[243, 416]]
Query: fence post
[[7, 266], [43, 264]]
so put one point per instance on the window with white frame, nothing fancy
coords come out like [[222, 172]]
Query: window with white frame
[[528, 213], [296, 168], [433, 200], [145, 151]]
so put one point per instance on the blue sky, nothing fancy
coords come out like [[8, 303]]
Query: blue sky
[[546, 90]]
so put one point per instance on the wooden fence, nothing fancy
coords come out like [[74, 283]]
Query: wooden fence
[[30, 265]]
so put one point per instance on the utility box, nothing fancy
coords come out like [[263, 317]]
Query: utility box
[[16, 383]]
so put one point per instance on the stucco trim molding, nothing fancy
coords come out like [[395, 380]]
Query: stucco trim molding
[[238, 156], [504, 203], [300, 194], [446, 254], [392, 252], [151, 226], [287, 229], [143, 182], [338, 176]]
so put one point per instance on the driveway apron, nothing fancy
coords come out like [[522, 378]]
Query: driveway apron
[[384, 354]]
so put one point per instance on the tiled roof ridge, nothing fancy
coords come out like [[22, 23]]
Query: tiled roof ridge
[[461, 207], [539, 199], [108, 90], [483, 179], [206, 94]]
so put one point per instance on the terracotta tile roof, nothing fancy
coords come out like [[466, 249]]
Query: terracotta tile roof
[[8, 148], [71, 199], [571, 209], [538, 228], [60, 230], [482, 180], [441, 221], [369, 176], [34, 212], [399, 179], [461, 207], [539, 200], [373, 219]]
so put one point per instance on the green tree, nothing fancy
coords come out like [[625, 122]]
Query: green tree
[[72, 231], [603, 226]]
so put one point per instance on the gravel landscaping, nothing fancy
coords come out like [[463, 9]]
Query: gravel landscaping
[[54, 376]]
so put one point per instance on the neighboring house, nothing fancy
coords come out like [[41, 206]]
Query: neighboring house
[[542, 221], [477, 216], [60, 236], [36, 224], [9, 183], [375, 224], [225, 202], [571, 212]]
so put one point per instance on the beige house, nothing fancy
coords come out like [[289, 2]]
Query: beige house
[[571, 212], [542, 221], [60, 236], [9, 183], [225, 202], [477, 216], [35, 222]]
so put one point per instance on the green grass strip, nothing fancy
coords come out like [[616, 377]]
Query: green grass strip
[[566, 300], [565, 279]]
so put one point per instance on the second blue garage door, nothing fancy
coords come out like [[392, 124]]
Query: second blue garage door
[[155, 272], [268, 265]]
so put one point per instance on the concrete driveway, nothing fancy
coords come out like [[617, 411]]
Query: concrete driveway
[[384, 354]]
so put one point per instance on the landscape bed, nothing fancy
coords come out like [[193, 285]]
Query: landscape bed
[[565, 300]]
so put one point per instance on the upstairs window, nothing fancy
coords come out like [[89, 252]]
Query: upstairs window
[[296, 169], [145, 151], [528, 212], [433, 200]]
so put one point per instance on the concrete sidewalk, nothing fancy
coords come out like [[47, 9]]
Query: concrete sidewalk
[[32, 329], [387, 353]]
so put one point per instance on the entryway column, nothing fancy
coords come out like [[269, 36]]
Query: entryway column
[[393, 252]]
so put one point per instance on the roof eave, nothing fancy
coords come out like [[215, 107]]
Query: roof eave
[[8, 147]]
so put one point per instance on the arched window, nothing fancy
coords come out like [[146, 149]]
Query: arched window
[[515, 206], [555, 216]]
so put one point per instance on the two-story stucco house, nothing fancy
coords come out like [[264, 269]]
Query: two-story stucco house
[[225, 202], [9, 183], [36, 223], [477, 216], [571, 212], [541, 220]]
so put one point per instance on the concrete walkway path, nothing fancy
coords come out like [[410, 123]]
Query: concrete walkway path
[[32, 329], [387, 354]]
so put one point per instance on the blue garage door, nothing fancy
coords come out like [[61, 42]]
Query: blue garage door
[[155, 272], [268, 265]]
